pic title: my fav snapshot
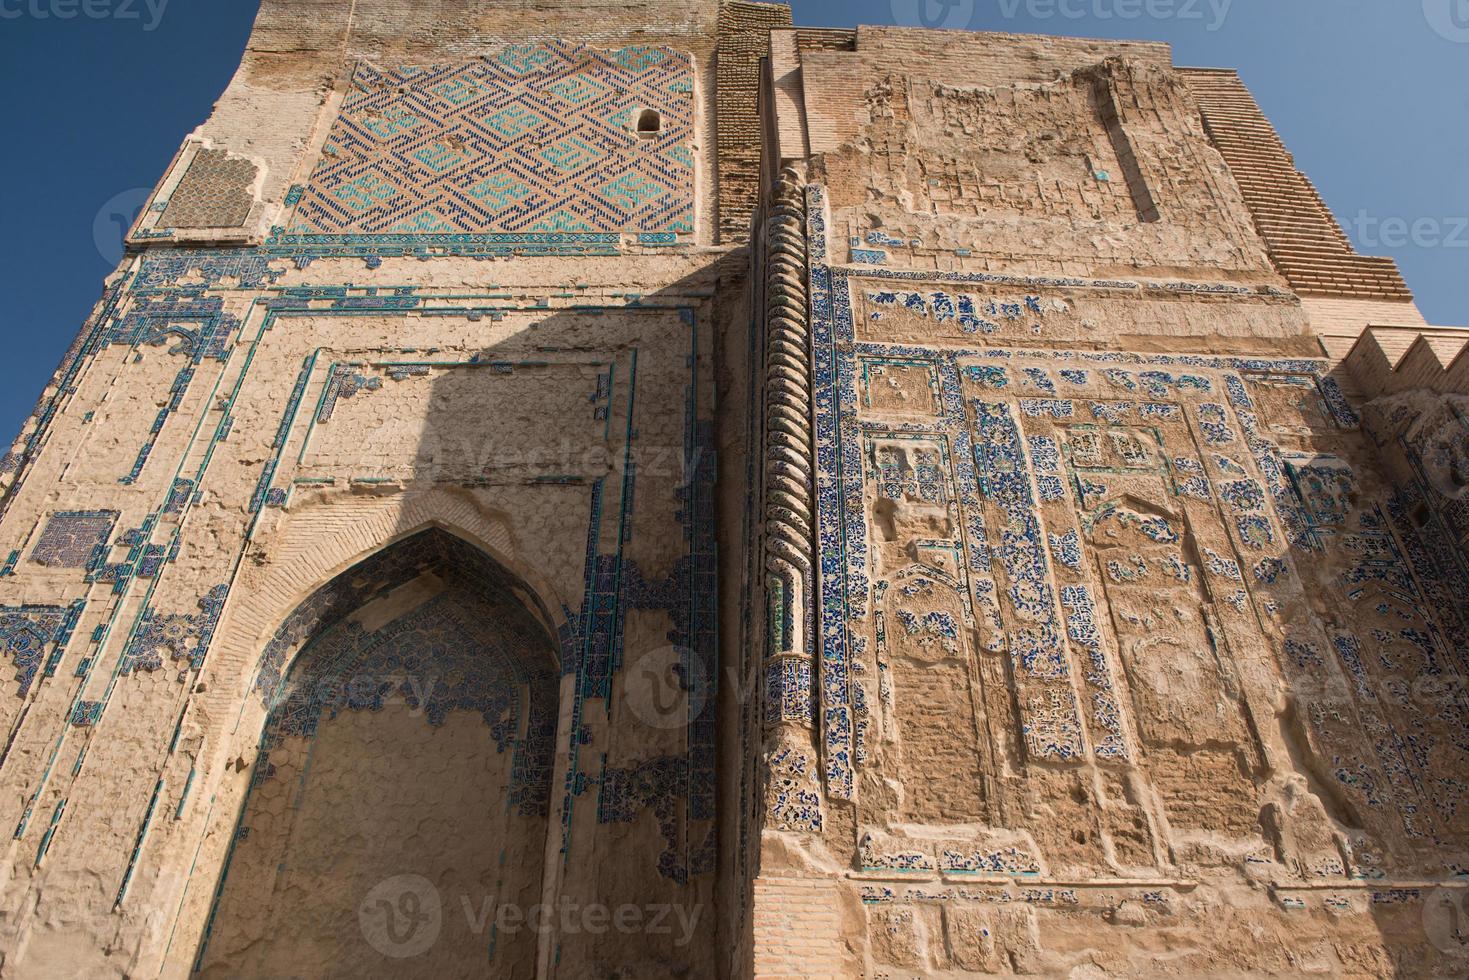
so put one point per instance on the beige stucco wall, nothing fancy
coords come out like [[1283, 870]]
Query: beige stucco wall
[[1134, 636], [995, 567]]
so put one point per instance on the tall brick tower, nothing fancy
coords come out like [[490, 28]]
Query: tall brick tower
[[629, 488]]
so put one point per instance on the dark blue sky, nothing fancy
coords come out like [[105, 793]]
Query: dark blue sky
[[1371, 95]]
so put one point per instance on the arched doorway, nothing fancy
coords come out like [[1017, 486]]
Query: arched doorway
[[399, 799]]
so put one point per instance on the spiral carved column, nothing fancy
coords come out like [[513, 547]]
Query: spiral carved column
[[793, 795]]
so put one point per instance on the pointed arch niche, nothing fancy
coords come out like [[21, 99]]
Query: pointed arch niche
[[405, 765]]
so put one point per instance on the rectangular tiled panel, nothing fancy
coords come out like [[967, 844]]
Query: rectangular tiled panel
[[214, 193], [538, 138], [72, 539]]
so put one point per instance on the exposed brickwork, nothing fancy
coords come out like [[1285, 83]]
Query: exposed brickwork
[[744, 39], [1305, 241], [1339, 322], [798, 930], [1389, 360], [829, 39]]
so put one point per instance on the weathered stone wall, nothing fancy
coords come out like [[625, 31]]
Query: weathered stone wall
[[1139, 639], [411, 377], [1091, 602], [1077, 159], [332, 422]]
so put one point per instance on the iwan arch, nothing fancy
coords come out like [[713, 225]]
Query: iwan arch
[[446, 686], [859, 503]]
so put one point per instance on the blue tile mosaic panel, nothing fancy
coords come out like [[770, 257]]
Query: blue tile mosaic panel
[[540, 138], [182, 636], [34, 636], [1057, 454], [476, 644], [658, 784], [74, 539]]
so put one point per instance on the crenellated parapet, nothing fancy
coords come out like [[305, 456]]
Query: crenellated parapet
[[1415, 382]]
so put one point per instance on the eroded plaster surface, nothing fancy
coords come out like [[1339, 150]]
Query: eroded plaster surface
[[1007, 553]]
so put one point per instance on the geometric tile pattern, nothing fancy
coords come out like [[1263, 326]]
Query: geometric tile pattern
[[537, 138], [214, 193], [373, 577], [72, 539], [183, 636]]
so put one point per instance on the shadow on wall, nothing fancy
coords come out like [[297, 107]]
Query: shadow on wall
[[404, 783], [406, 756]]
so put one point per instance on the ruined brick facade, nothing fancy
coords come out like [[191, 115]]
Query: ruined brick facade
[[789, 503]]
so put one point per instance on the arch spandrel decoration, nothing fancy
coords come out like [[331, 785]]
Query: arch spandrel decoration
[[372, 578], [317, 544]]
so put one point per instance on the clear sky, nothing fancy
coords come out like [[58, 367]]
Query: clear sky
[[1372, 96]]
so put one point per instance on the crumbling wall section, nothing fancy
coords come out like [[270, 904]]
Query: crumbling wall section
[[254, 411], [1132, 596]]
